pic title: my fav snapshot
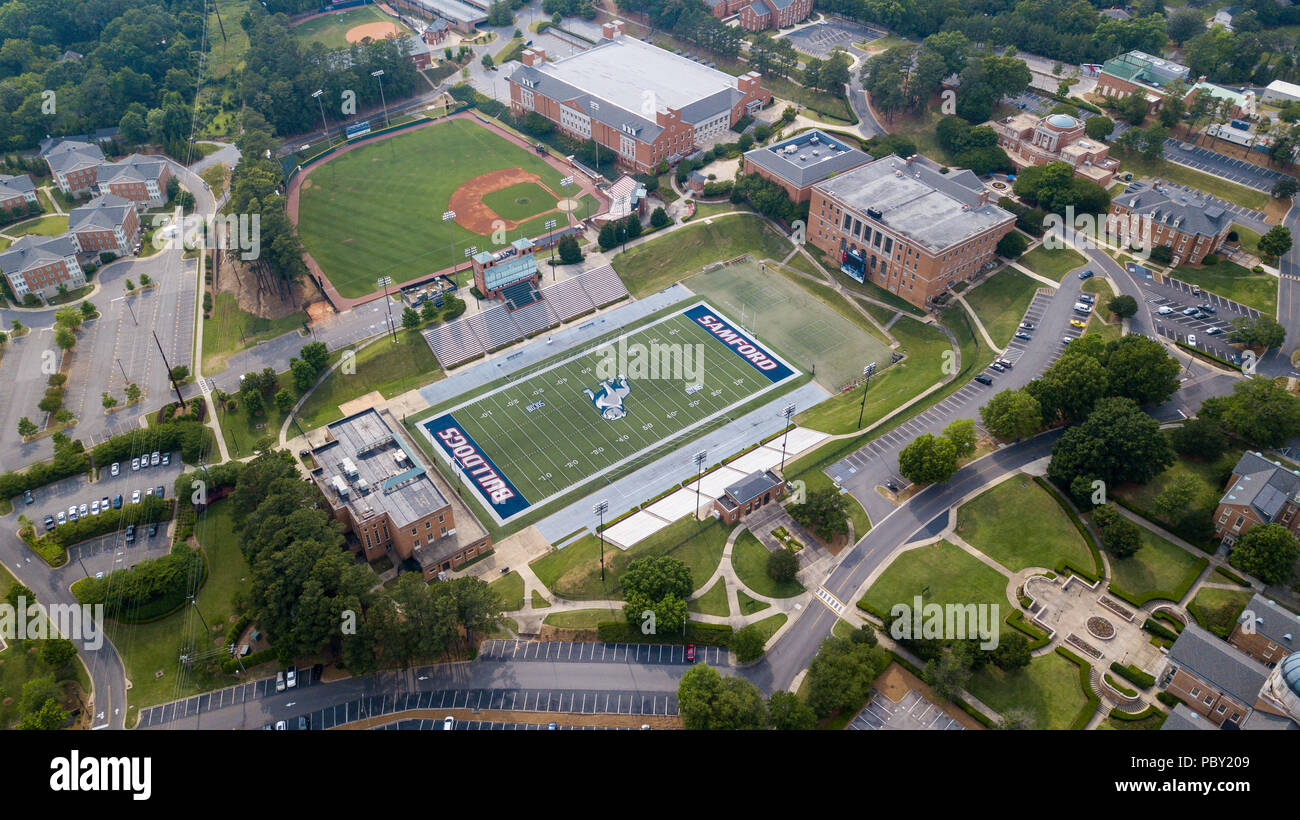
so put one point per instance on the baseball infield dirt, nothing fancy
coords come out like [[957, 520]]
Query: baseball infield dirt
[[467, 200], [375, 31]]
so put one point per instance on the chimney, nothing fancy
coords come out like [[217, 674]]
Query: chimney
[[532, 56], [911, 159], [611, 30]]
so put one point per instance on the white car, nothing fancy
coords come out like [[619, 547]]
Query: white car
[[1165, 311], [94, 507], [1191, 339], [85, 509], [135, 464], [72, 513], [448, 723], [135, 497], [115, 470]]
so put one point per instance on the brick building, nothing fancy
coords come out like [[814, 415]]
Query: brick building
[[138, 177], [380, 490], [1030, 140], [1228, 688], [1266, 631], [16, 192], [1259, 492], [640, 102], [1187, 223], [1140, 73], [513, 267], [802, 161], [106, 224], [906, 227], [760, 15], [758, 489], [74, 165], [39, 264]]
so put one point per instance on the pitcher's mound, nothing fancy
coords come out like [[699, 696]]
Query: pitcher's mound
[[375, 31]]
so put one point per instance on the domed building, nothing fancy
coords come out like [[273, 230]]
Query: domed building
[[1030, 140], [1282, 689]]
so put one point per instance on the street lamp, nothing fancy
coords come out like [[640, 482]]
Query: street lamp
[[600, 509], [384, 282], [379, 75], [700, 457], [867, 373], [787, 413], [324, 126], [448, 216]]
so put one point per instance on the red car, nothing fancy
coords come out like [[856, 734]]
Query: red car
[[690, 652]]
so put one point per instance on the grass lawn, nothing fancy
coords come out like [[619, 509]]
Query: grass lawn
[[1000, 302], [828, 106], [582, 618], [226, 54], [749, 557], [155, 647], [331, 30], [713, 602], [1048, 690], [215, 176], [666, 259], [1182, 175], [708, 210], [1248, 239], [230, 330], [520, 202], [1218, 609], [41, 226], [390, 368], [953, 576], [374, 211], [868, 288], [769, 625], [1161, 569], [1019, 525], [1258, 290], [511, 590], [539, 600], [1210, 477], [241, 430], [574, 572], [1054, 264], [17, 666], [748, 605]]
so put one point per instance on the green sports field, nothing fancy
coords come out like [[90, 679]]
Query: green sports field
[[519, 202], [377, 210], [564, 440], [331, 30]]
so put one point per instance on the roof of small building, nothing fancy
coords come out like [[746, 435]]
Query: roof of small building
[[807, 158], [1262, 485], [103, 213], [1176, 207], [1218, 663], [1278, 624], [33, 251], [132, 168], [15, 185], [753, 485], [72, 155]]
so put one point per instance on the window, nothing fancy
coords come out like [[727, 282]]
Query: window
[[1196, 691], [428, 524], [1223, 707]]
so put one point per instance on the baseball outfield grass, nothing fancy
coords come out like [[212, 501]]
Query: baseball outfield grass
[[377, 210], [331, 30]]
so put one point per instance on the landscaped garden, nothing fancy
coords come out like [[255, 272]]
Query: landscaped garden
[[1160, 569], [749, 558], [940, 573]]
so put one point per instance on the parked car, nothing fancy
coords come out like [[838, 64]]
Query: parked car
[[1213, 331], [114, 470], [1087, 297], [1165, 310], [1200, 314], [1005, 363], [1077, 323], [135, 464], [1196, 290], [130, 533], [49, 523], [103, 504], [99, 576], [1191, 311], [448, 723], [1208, 308], [1023, 336], [153, 529], [1191, 339], [166, 459], [291, 677], [94, 507], [690, 652], [72, 513], [84, 510], [117, 501], [1026, 325], [155, 459], [1065, 340], [63, 518], [28, 497], [158, 491], [279, 681], [997, 367], [1087, 274], [984, 380], [148, 492], [135, 497]]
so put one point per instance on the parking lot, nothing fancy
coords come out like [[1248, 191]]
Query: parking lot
[[412, 724], [1212, 162], [1177, 296], [111, 552], [912, 713], [587, 652], [207, 702], [818, 39], [59, 496]]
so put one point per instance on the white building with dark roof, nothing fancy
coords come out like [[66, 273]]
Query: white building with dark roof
[[639, 101]]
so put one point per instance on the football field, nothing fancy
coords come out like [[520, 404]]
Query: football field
[[532, 440]]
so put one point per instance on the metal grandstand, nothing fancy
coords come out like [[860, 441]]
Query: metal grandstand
[[497, 327]]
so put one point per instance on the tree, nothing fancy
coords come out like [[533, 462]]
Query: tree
[[928, 459], [823, 513], [1123, 306], [304, 375], [88, 308], [284, 400], [1200, 437], [1184, 24], [1276, 242], [316, 354], [108, 401], [180, 373], [26, 427], [1262, 412], [1012, 245], [55, 652], [632, 227], [947, 675], [1133, 108], [1012, 652], [1261, 333], [659, 218], [428, 311], [410, 318], [1012, 415], [1267, 551], [49, 717], [570, 252], [782, 565], [1117, 443], [962, 434], [1285, 188], [487, 60], [708, 701], [1098, 127], [500, 15], [1119, 536], [841, 675], [747, 642], [253, 403], [1177, 497], [133, 393], [787, 713], [1139, 368], [1071, 386], [144, 280], [64, 338], [610, 235], [130, 286], [658, 584]]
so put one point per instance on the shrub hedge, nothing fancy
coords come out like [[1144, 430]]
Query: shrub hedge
[[1085, 683], [701, 634], [1133, 675]]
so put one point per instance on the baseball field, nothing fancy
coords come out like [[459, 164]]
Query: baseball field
[[342, 28], [377, 209]]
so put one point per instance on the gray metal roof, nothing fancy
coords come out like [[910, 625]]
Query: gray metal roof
[[1278, 624], [1182, 718], [1261, 485], [133, 168], [18, 185], [1176, 207], [103, 213], [934, 210], [452, 10], [1217, 662], [71, 155], [32, 251], [753, 485], [403, 490], [604, 111], [816, 156]]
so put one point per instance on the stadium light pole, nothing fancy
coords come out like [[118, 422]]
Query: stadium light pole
[[564, 186], [319, 95], [600, 509], [384, 282], [448, 216], [787, 413], [469, 255], [379, 75], [550, 236], [867, 373], [700, 457]]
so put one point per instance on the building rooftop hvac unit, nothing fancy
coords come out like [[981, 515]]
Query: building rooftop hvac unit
[[363, 486], [339, 486], [349, 469], [399, 456]]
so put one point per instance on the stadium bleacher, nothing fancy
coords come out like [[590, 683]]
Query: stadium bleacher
[[567, 299], [534, 317], [494, 327], [453, 343], [602, 285]]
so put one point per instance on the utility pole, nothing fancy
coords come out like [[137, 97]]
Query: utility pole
[[867, 373], [600, 509], [195, 602], [448, 216], [180, 400], [324, 126], [469, 256]]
